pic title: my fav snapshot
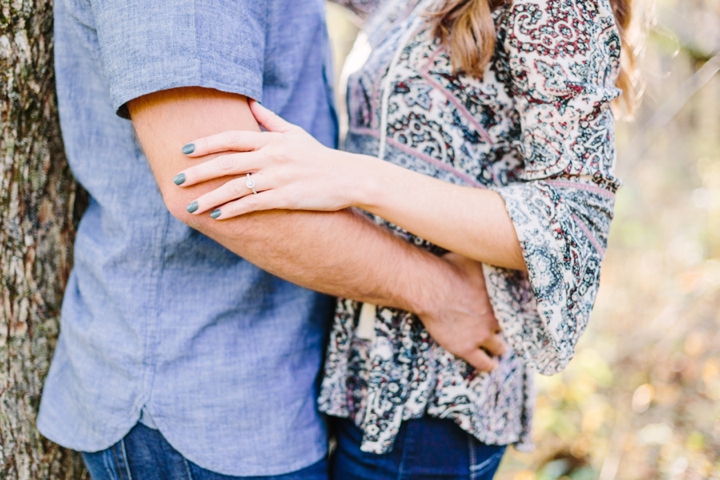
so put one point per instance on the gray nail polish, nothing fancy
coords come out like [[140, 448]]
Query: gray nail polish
[[188, 149], [192, 207], [215, 213], [179, 179]]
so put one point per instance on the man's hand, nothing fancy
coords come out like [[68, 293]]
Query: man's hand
[[461, 318]]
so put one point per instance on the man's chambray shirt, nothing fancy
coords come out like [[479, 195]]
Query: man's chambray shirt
[[157, 318]]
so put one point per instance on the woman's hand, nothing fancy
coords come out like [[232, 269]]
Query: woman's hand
[[287, 167]]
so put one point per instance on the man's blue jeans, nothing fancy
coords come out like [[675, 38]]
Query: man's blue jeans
[[144, 454], [425, 449]]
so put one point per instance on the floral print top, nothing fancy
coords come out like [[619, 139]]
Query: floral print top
[[538, 129]]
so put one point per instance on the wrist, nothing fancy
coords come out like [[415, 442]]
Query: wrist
[[365, 177], [430, 300]]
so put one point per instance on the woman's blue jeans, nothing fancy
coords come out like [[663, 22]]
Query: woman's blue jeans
[[425, 449]]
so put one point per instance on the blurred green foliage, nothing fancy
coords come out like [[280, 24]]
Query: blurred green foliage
[[641, 399]]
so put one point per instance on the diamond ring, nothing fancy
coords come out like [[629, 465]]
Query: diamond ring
[[250, 183]]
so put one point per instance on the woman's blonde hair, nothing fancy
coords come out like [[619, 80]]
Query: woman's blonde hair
[[466, 28]]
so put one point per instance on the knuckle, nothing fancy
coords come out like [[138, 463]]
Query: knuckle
[[465, 350], [458, 352], [237, 186], [226, 163], [228, 210], [281, 176], [280, 152], [226, 137], [192, 173], [251, 201]]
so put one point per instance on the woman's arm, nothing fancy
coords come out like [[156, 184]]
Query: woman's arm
[[562, 60], [291, 170], [470, 221]]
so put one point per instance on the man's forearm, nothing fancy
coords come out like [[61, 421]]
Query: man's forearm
[[339, 253]]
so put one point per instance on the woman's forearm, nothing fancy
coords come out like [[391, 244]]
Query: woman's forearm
[[470, 221], [292, 170]]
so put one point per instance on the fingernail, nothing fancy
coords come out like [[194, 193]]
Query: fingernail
[[215, 213], [179, 179], [192, 207], [188, 149]]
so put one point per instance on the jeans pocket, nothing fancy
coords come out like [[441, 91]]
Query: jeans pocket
[[484, 460]]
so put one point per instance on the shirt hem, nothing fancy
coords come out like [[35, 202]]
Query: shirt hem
[[48, 432], [249, 472], [45, 428]]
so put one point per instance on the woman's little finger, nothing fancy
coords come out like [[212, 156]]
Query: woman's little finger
[[267, 200]]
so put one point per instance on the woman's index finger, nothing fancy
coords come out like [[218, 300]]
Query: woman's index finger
[[230, 140]]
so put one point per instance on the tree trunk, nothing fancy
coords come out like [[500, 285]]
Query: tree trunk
[[37, 225]]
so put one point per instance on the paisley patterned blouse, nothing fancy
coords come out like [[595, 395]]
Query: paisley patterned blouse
[[538, 129]]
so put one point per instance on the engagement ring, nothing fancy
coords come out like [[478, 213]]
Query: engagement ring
[[250, 184]]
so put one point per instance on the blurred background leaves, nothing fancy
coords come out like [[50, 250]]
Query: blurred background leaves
[[641, 400]]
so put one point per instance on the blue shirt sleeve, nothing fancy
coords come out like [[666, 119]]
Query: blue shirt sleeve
[[152, 45]]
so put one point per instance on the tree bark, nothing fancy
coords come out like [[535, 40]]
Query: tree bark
[[38, 203]]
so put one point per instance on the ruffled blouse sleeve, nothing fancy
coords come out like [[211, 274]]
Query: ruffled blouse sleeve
[[563, 60]]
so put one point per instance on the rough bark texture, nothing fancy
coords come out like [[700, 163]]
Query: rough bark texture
[[37, 225]]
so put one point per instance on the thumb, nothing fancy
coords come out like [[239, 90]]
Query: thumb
[[268, 119]]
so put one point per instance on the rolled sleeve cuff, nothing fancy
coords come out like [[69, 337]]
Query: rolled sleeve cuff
[[152, 45], [247, 83]]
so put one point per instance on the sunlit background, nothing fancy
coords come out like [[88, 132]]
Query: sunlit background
[[641, 400]]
